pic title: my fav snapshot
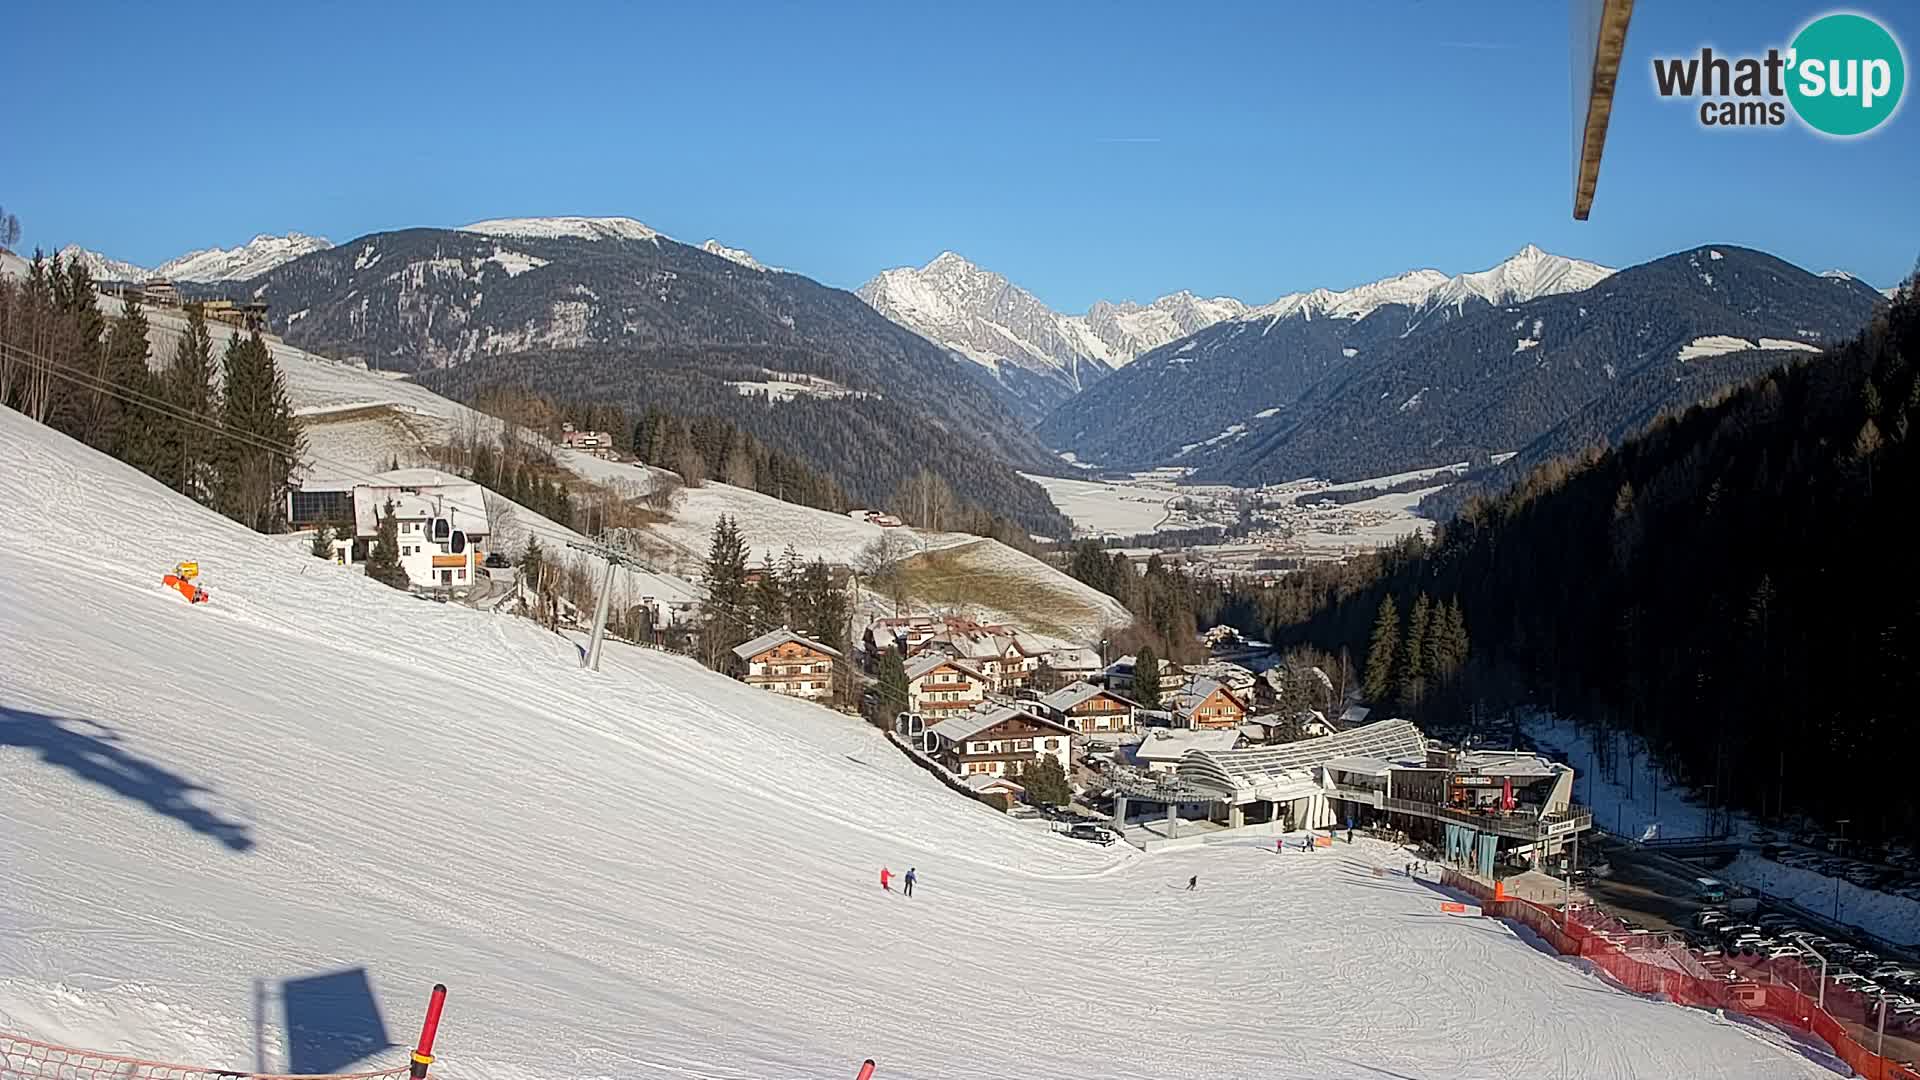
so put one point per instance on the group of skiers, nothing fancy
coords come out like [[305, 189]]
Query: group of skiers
[[906, 882], [1306, 842]]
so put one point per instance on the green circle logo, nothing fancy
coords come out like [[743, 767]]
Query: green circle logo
[[1847, 74]]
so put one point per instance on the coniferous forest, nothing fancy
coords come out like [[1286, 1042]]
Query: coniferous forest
[[1736, 585]]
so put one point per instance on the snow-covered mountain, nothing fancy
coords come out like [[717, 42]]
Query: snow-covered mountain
[[576, 228], [1036, 355], [103, 267], [1528, 274], [251, 259], [737, 255], [255, 257]]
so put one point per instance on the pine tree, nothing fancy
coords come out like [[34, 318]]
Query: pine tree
[[136, 435], [261, 444], [1459, 645], [1414, 655], [828, 608], [725, 577], [1146, 678], [893, 683], [1377, 684], [768, 600], [383, 562], [1046, 782], [187, 386], [323, 542], [869, 651]]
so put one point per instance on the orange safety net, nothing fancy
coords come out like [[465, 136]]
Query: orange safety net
[[31, 1059], [1783, 992]]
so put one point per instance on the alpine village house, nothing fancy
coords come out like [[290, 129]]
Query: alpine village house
[[997, 742], [786, 663], [940, 685]]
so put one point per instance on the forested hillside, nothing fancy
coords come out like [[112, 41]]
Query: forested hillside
[[1737, 585], [869, 444], [634, 318]]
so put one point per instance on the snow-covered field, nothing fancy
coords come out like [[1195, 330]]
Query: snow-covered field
[[646, 872], [1117, 509]]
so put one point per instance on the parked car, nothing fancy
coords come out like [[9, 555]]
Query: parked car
[[1086, 830], [496, 561]]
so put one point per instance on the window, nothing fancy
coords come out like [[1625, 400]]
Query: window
[[462, 576]]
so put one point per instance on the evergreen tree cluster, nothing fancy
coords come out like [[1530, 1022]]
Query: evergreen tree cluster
[[1046, 782], [224, 436], [706, 448], [1733, 588], [1428, 651], [519, 478], [801, 596], [1169, 605]]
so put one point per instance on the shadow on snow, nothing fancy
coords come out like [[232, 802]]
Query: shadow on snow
[[91, 751]]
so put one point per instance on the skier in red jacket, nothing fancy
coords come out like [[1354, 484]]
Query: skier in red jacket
[[886, 877]]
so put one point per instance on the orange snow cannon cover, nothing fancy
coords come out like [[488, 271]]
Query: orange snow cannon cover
[[194, 593]]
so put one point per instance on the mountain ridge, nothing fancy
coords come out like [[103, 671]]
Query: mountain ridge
[[1035, 356], [613, 310], [1215, 382], [207, 265]]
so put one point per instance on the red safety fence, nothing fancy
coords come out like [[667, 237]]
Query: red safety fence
[[22, 1058], [1782, 992], [30, 1059]]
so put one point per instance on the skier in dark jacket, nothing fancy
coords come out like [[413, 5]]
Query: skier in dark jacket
[[1193, 882], [909, 881]]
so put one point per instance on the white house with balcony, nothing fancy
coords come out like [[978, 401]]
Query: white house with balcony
[[441, 525]]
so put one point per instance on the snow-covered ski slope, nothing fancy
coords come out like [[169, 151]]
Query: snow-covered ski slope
[[646, 872]]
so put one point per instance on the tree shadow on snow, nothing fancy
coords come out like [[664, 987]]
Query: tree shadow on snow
[[91, 751]]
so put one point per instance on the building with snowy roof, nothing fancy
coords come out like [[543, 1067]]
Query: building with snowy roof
[[785, 662], [940, 685], [1090, 709], [1482, 807], [1160, 749], [997, 741], [441, 522], [1207, 703]]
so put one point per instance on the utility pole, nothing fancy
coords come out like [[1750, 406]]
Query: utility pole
[[614, 558]]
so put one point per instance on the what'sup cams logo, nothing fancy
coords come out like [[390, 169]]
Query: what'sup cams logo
[[1842, 76]]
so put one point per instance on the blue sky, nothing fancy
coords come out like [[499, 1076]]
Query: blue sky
[[1085, 150]]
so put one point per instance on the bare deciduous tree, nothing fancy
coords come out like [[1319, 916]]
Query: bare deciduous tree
[[503, 525], [881, 564]]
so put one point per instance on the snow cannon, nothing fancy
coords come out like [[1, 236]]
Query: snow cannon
[[184, 580]]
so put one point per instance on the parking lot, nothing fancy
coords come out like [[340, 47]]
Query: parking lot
[[1649, 892]]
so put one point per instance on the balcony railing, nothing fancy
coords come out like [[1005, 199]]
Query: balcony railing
[[1522, 824]]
